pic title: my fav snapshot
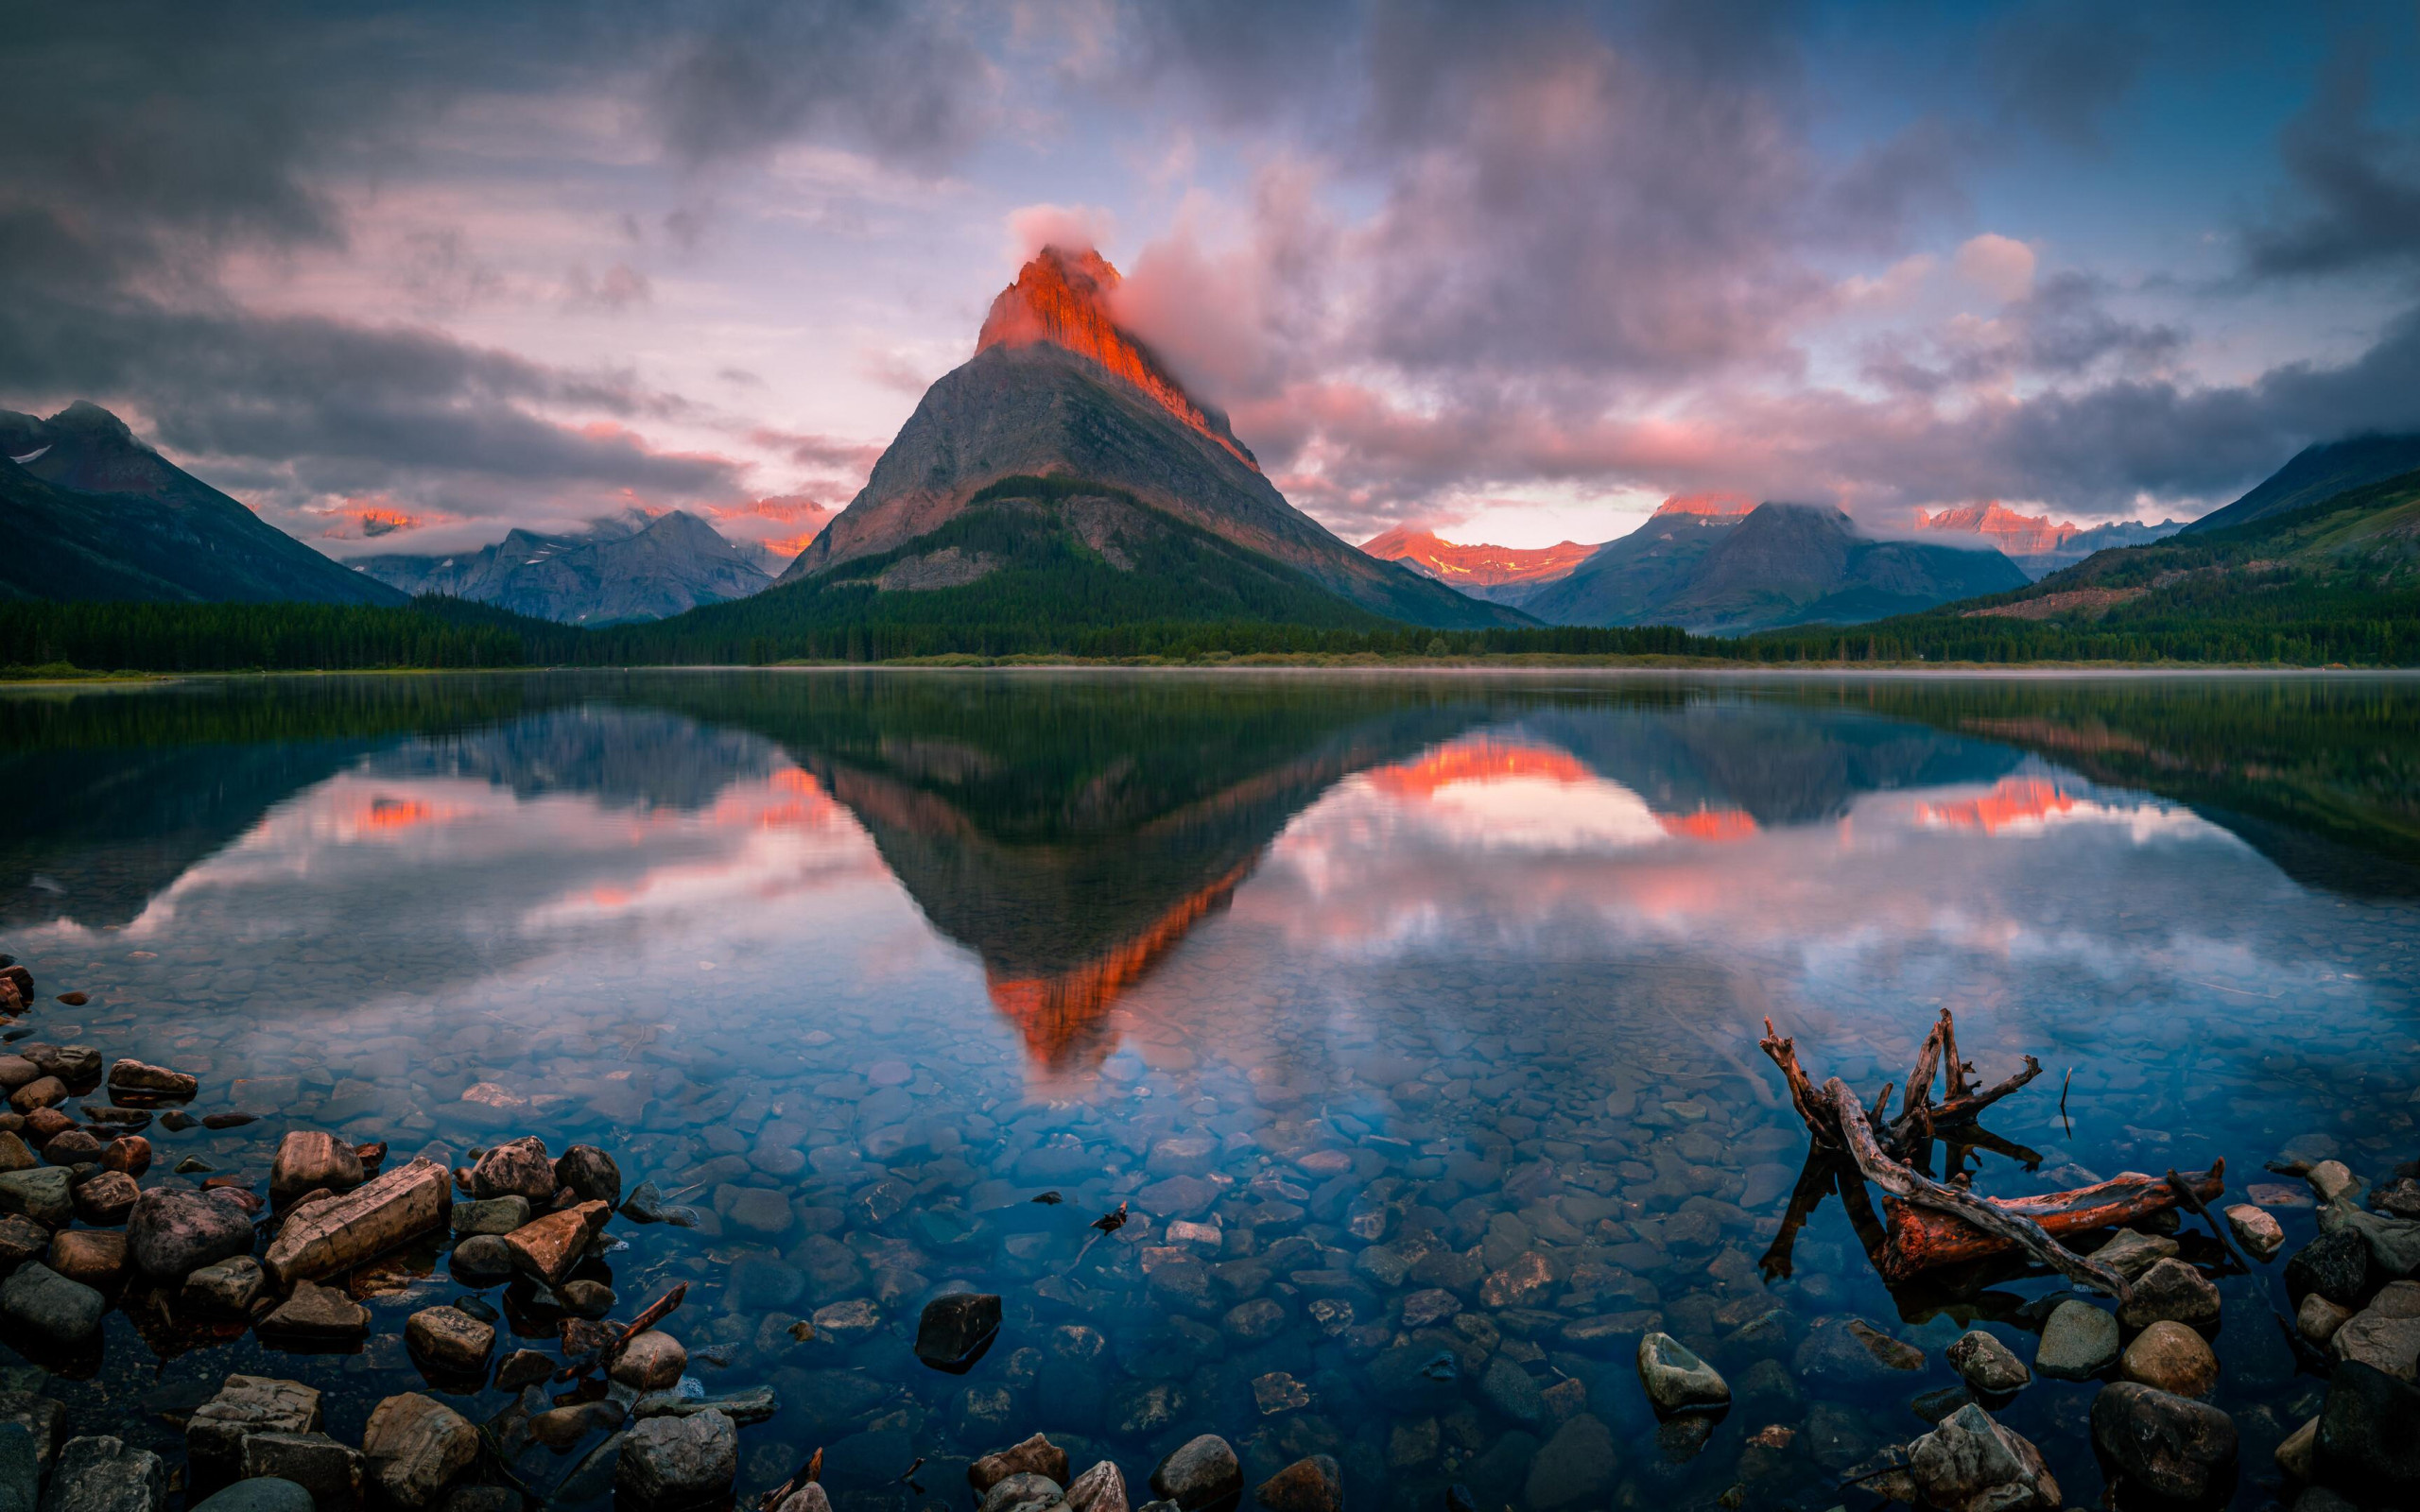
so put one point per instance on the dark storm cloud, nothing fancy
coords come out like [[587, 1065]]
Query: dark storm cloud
[[2355, 202], [148, 142], [2062, 69]]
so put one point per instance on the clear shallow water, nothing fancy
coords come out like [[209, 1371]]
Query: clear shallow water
[[1393, 981]]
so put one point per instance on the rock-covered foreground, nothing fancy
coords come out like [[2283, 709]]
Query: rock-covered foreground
[[1557, 1306]]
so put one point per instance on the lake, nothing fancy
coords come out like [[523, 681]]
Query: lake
[[1427, 1005]]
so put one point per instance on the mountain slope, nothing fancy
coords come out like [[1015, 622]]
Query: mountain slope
[[1026, 405], [618, 570], [89, 512], [1624, 577], [2315, 475], [1501, 575]]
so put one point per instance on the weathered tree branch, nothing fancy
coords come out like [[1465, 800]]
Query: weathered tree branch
[[1922, 1191], [1783, 1053]]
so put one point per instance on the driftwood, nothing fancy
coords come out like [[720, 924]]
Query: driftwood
[[2015, 1230], [1921, 1239]]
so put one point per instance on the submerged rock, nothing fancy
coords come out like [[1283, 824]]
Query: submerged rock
[[1971, 1463], [2170, 1445], [1676, 1379], [676, 1462], [49, 1306], [1036, 1455], [955, 1329], [1199, 1473]]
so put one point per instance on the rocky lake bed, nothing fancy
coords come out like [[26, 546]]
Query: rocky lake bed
[[1404, 1141]]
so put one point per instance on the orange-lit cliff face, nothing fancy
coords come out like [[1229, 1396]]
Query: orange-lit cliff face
[[1706, 504], [2015, 800], [2018, 535], [1061, 297], [1479, 566]]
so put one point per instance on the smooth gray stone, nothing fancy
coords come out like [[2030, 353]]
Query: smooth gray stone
[[264, 1494]]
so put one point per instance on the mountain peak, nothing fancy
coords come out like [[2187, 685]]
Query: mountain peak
[[2014, 533], [1706, 504], [1061, 297], [1479, 566]]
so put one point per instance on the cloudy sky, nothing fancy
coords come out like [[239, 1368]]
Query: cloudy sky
[[1517, 272]]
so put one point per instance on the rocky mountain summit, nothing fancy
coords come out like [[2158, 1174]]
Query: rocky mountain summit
[[631, 567], [1503, 574]]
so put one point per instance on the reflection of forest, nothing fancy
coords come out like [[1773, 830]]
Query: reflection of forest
[[1069, 829]]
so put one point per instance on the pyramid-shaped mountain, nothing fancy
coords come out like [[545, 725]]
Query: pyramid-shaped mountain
[[1064, 471], [87, 511]]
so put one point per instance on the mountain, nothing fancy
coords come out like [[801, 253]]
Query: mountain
[[629, 568], [1502, 574], [87, 511], [2036, 544], [2357, 551], [2315, 475], [1645, 567], [1083, 455], [1716, 573]]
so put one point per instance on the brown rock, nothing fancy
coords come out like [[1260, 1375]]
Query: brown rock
[[340, 1233], [1519, 1284], [329, 1470], [129, 1153], [1312, 1485], [318, 1313], [2173, 1358], [44, 1124], [417, 1447], [15, 1155], [105, 1200], [548, 1248], [449, 1341], [245, 1406], [21, 1240], [42, 1092], [1035, 1457], [2173, 1291], [93, 1256], [309, 1158], [516, 1168], [158, 1081], [72, 1146], [651, 1362]]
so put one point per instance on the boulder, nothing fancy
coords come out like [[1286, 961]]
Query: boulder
[[2394, 1242], [1199, 1473], [21, 1240], [2173, 1358], [72, 1146], [106, 1200], [446, 1341], [2330, 1180], [329, 1470], [651, 1362], [492, 1215], [158, 1081], [245, 1406], [2172, 1291], [42, 1092], [1023, 1492], [14, 1154], [2386, 1334], [227, 1288], [548, 1248], [418, 1446], [1313, 1483], [1987, 1365], [1036, 1456], [2171, 1446], [1676, 1379], [96, 1256], [268, 1494], [955, 1331], [2255, 1231], [104, 1474], [1102, 1488], [676, 1462], [174, 1232], [2365, 1446], [129, 1153], [1970, 1462], [519, 1168], [49, 1306], [318, 1314], [308, 1160], [2335, 1266], [522, 1368], [590, 1175], [482, 1260], [2130, 1253], [345, 1230], [43, 1194], [1575, 1467], [2318, 1318]]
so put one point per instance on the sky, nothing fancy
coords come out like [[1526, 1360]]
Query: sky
[[402, 277]]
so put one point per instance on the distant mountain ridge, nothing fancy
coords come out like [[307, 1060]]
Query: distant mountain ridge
[[1505, 574], [1697, 565], [2036, 544], [88, 511], [1107, 453], [620, 568]]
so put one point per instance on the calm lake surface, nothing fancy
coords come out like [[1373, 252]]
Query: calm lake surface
[[1386, 983]]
